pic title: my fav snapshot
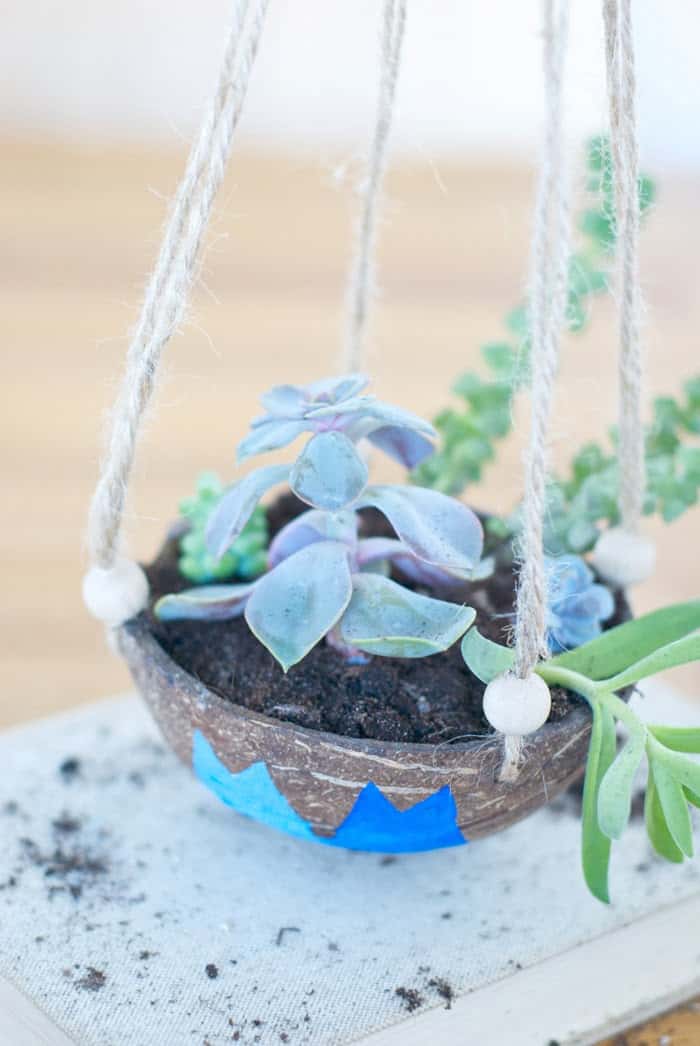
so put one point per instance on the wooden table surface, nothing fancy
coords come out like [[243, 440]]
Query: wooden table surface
[[78, 231]]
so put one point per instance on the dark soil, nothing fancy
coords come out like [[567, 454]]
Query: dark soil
[[433, 700]]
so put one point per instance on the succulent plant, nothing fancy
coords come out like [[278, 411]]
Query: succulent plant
[[577, 605], [245, 558], [597, 671], [323, 579]]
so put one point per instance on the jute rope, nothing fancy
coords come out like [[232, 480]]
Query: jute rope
[[169, 285], [361, 280], [620, 70], [548, 299]]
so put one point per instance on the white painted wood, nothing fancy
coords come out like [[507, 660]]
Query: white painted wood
[[472, 915], [22, 1023], [575, 998]]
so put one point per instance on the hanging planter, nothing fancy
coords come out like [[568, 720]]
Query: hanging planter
[[229, 712], [338, 664]]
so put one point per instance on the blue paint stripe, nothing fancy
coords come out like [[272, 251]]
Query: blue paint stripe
[[373, 824]]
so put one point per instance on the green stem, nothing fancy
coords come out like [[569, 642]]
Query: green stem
[[594, 693]]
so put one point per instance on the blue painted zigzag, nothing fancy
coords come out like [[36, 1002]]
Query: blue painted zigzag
[[374, 823]]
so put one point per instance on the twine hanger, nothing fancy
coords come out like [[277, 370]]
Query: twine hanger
[[115, 587]]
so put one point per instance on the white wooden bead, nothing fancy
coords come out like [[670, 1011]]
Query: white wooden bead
[[117, 593], [624, 559], [516, 706]]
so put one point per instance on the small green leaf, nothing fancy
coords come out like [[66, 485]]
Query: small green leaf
[[616, 649], [685, 770], [518, 321], [674, 806], [595, 846], [599, 227], [500, 357], [657, 829], [679, 653], [615, 794], [692, 797], [647, 193], [679, 738], [485, 658]]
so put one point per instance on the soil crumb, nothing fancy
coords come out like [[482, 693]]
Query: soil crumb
[[411, 998], [92, 980]]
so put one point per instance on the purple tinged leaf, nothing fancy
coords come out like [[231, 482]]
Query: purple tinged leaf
[[310, 527], [298, 602], [436, 528], [205, 603], [386, 619], [236, 507], [269, 434], [329, 473], [364, 414], [404, 445], [371, 550], [335, 390]]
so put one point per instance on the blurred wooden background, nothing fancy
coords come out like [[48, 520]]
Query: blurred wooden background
[[79, 230]]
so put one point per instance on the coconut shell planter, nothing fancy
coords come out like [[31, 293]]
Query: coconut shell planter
[[226, 708]]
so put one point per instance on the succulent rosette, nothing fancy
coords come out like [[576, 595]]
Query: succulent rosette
[[323, 579]]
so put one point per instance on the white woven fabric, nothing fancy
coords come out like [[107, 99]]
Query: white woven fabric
[[167, 882]]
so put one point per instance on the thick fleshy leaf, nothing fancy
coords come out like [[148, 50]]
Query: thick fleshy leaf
[[682, 652], [205, 603], [595, 844], [329, 473], [385, 618], [626, 644], [615, 793], [679, 738], [237, 504], [335, 390], [364, 414], [657, 829], [407, 447], [309, 527], [373, 550], [675, 807], [269, 434], [485, 658], [298, 602], [435, 527], [286, 401]]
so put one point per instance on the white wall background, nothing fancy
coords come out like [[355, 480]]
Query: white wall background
[[140, 69]]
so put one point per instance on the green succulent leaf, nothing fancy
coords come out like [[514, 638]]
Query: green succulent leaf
[[678, 738], [615, 793], [485, 658], [311, 589], [692, 797], [681, 652], [657, 829], [618, 648], [674, 807], [595, 845], [387, 619]]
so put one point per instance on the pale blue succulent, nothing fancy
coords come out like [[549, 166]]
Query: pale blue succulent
[[323, 579], [577, 605], [336, 405]]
